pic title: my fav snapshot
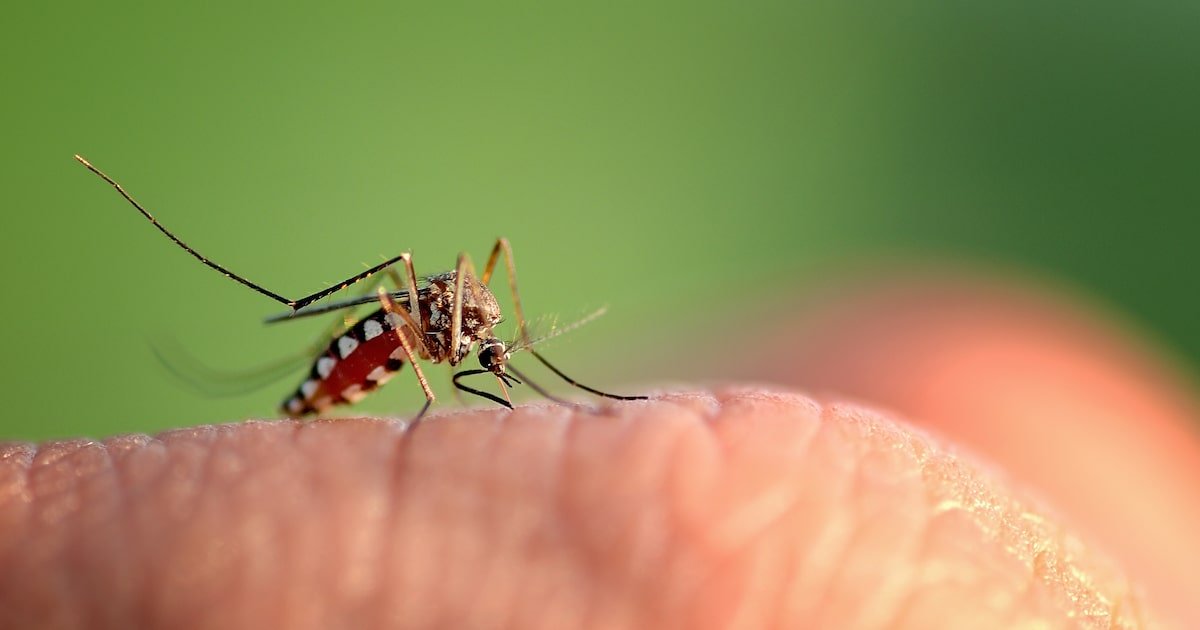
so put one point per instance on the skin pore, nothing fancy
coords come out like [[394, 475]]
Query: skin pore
[[740, 506]]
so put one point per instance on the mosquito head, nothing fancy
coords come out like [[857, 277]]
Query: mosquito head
[[493, 355]]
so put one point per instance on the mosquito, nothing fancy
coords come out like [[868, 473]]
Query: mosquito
[[441, 320]]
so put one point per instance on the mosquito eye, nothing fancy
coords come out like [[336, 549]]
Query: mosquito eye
[[487, 358]]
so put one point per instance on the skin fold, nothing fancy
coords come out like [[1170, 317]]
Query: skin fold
[[743, 507], [1042, 476]]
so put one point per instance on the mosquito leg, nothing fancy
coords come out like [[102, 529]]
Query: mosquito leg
[[413, 316], [389, 307], [414, 301], [295, 305], [326, 292], [463, 271], [502, 246], [348, 319], [458, 397]]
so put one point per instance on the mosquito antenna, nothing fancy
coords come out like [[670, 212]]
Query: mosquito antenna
[[492, 397], [576, 383]]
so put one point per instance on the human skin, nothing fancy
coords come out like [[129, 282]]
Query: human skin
[[741, 506], [1069, 401]]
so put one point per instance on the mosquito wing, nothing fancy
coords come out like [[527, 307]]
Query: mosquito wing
[[220, 383]]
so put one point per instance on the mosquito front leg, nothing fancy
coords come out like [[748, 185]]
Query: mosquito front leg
[[502, 246], [390, 307], [462, 270]]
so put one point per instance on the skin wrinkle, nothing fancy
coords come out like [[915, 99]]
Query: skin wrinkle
[[947, 517], [485, 601], [653, 550], [671, 601], [828, 538], [758, 513], [116, 537], [433, 569], [16, 461], [182, 595], [185, 591], [450, 450], [759, 517], [297, 604], [437, 562], [561, 511], [369, 495], [859, 536], [495, 591], [57, 498], [691, 456], [302, 607], [130, 454], [919, 549], [695, 458], [587, 452], [182, 443], [395, 462], [835, 423], [16, 505], [573, 584], [722, 557], [917, 453], [215, 466], [912, 445], [647, 533], [488, 447], [649, 530], [548, 476]]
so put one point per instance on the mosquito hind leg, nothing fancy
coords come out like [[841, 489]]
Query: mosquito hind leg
[[390, 308], [295, 305], [413, 315]]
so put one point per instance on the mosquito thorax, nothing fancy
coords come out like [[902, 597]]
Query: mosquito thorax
[[480, 313]]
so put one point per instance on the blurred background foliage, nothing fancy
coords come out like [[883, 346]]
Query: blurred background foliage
[[666, 159]]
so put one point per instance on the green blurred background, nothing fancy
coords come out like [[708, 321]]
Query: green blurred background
[[653, 157]]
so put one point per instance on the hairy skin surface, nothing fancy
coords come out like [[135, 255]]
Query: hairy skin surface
[[739, 508]]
